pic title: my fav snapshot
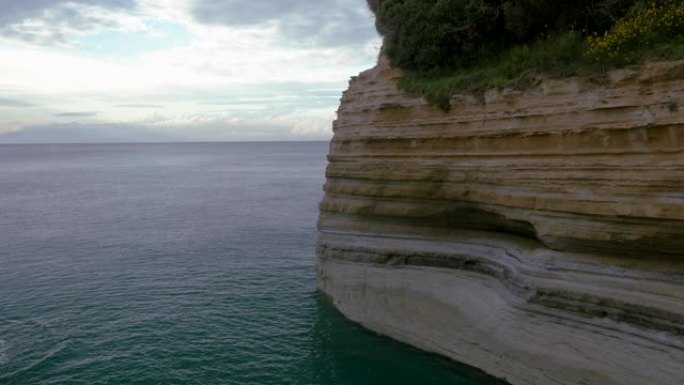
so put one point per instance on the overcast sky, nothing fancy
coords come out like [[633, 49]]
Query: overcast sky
[[201, 70]]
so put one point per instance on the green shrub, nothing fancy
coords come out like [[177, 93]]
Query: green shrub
[[433, 35], [636, 35], [426, 35], [531, 19], [517, 67]]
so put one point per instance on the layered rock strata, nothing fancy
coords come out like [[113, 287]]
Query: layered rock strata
[[537, 235]]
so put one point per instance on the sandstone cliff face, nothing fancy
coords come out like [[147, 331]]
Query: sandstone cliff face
[[538, 235]]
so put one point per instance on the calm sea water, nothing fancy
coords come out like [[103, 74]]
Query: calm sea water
[[178, 264]]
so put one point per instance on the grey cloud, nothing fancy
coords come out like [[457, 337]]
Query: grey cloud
[[223, 129], [139, 106], [84, 114], [318, 22], [13, 11], [77, 133], [6, 102], [239, 12], [59, 19], [205, 128], [32, 37]]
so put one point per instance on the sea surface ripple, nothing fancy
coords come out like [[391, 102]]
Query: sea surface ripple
[[178, 264]]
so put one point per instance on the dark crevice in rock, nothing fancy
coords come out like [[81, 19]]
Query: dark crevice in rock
[[575, 302], [602, 307]]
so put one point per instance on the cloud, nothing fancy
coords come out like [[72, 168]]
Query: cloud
[[78, 133], [139, 106], [6, 102], [309, 23], [220, 128], [13, 11], [77, 114], [229, 70], [260, 126], [322, 22], [49, 22], [203, 127]]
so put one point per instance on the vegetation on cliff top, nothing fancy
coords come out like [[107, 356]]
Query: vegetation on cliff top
[[454, 46]]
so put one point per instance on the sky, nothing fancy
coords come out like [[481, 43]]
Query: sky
[[178, 70]]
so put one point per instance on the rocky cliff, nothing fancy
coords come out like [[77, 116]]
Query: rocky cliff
[[537, 235]]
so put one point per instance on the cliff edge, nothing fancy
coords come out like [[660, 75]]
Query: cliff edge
[[537, 235]]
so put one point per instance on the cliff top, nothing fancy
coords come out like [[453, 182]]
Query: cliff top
[[449, 47]]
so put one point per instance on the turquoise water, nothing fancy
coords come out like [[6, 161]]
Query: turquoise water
[[178, 264]]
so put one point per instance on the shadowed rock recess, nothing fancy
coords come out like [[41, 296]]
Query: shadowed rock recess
[[537, 235]]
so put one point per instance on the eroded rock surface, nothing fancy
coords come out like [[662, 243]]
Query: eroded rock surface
[[537, 235]]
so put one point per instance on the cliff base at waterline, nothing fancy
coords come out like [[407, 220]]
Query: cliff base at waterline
[[537, 235]]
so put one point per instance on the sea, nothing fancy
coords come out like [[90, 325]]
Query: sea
[[190, 263]]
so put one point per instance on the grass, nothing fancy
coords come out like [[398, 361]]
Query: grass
[[671, 48], [673, 106], [521, 67]]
